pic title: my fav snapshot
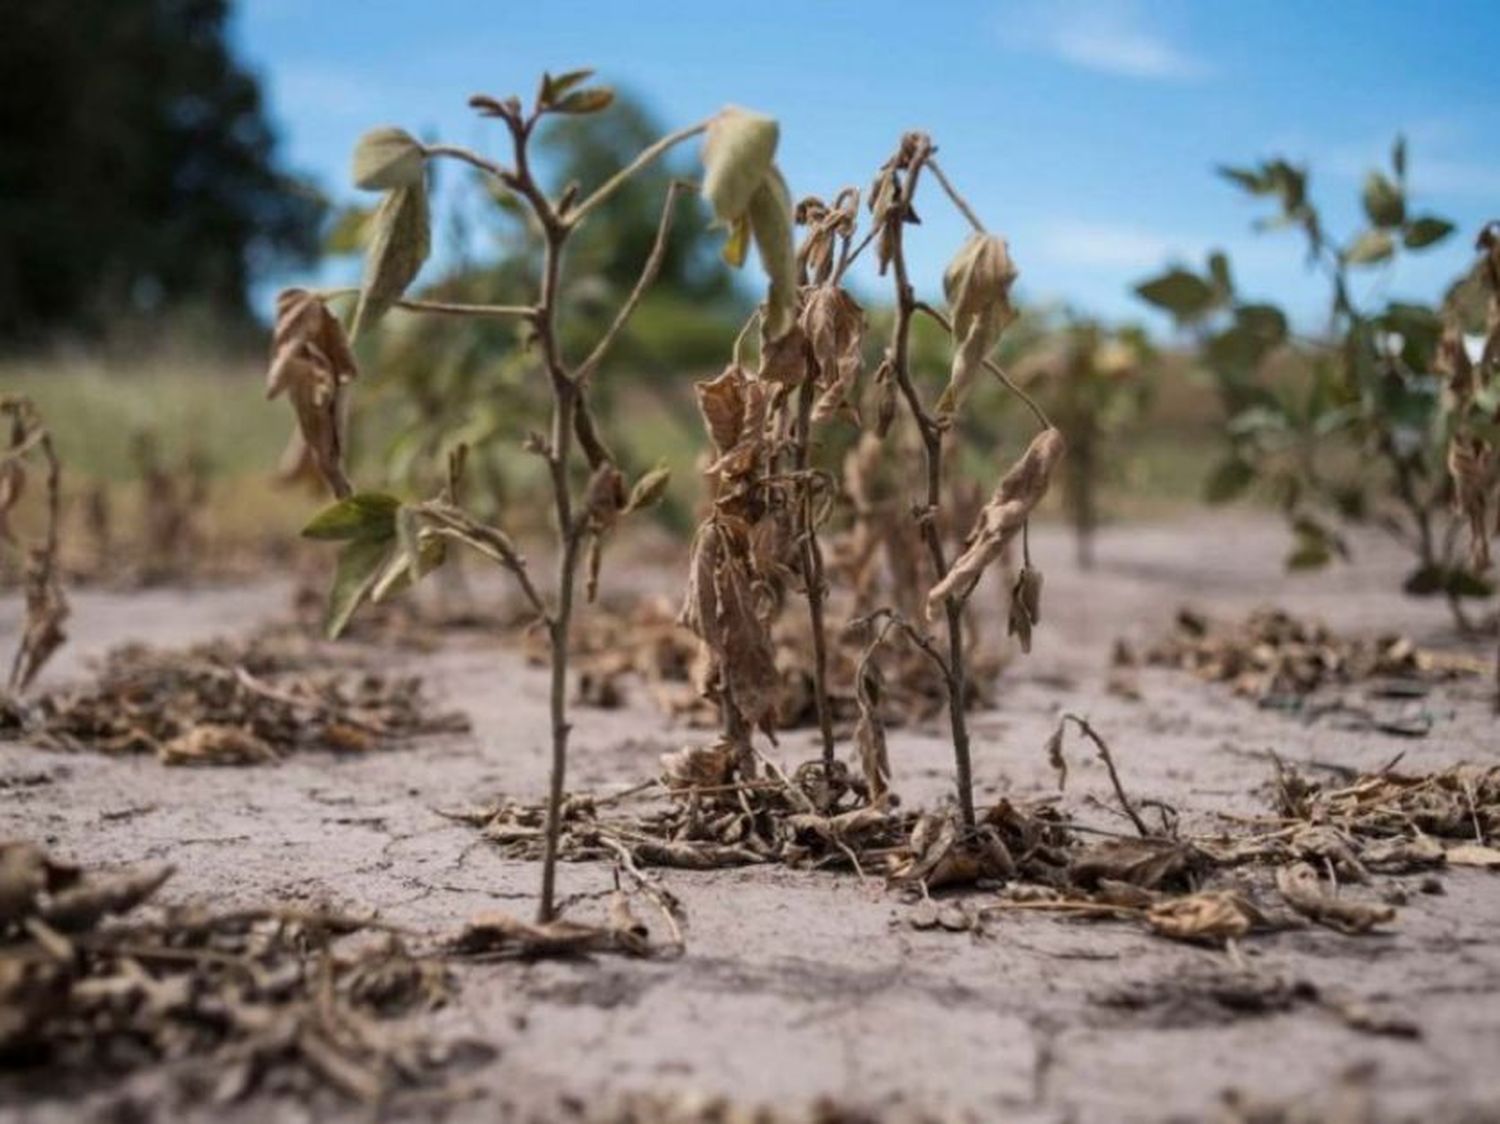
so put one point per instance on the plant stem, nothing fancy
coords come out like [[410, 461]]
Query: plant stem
[[647, 155], [812, 572], [932, 448]]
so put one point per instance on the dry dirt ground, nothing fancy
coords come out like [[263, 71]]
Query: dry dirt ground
[[799, 985]]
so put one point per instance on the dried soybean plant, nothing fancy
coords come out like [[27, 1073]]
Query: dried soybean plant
[[29, 440], [768, 499], [977, 284], [390, 543]]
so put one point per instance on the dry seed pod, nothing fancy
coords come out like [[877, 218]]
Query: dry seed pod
[[1025, 606], [1002, 518], [977, 283], [388, 158], [738, 149], [399, 243], [311, 363], [1452, 362]]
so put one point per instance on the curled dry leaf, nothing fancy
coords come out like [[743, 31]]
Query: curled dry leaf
[[1211, 916], [1002, 518], [834, 326], [695, 767], [720, 610], [499, 935], [311, 363], [1300, 886], [977, 284]]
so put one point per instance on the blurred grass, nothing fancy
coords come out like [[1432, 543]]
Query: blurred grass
[[217, 409]]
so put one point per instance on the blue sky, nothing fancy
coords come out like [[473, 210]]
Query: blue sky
[[1084, 130]]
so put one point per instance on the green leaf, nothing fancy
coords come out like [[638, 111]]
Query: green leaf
[[365, 516], [649, 488], [555, 88], [586, 101], [359, 565], [1424, 230], [1398, 157], [1255, 182], [1383, 201], [1182, 293], [738, 151], [388, 158], [770, 214], [1228, 481], [399, 245], [347, 234], [1370, 247]]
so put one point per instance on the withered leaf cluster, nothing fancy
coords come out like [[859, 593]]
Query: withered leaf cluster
[[231, 703], [27, 439], [1272, 654], [312, 364], [96, 983], [1470, 399]]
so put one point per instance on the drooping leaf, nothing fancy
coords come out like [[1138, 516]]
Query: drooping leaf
[[364, 516], [738, 151], [399, 245], [770, 214], [388, 158], [649, 489], [360, 563]]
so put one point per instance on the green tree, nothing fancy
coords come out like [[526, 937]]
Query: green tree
[[137, 168]]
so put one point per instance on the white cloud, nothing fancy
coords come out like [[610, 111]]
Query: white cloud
[[1106, 36]]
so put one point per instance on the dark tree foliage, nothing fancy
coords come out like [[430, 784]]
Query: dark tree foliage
[[136, 168]]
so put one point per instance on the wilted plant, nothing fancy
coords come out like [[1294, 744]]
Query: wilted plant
[[761, 533], [1093, 382], [28, 440], [390, 543], [1352, 425]]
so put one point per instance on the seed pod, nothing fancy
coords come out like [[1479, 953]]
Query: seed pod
[[737, 153], [977, 283], [1017, 495], [388, 158], [1025, 606]]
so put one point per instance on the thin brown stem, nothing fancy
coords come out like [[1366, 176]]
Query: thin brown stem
[[958, 200], [618, 180], [446, 308], [991, 366], [932, 448], [1114, 777], [647, 278], [812, 573]]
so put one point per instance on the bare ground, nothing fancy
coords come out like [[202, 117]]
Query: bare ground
[[800, 985]]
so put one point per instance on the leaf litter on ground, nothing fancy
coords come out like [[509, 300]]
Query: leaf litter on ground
[[231, 702]]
